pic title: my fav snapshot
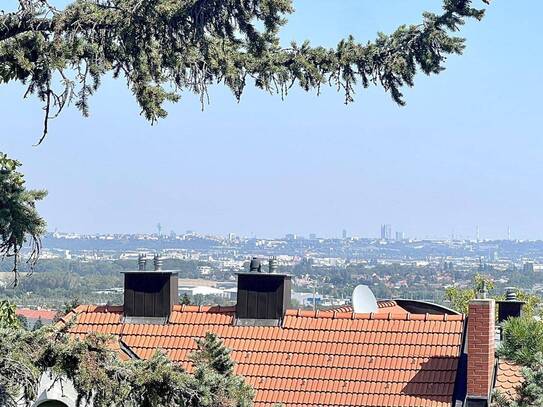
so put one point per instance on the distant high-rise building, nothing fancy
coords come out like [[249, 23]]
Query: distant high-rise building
[[344, 234], [528, 267], [312, 236], [400, 236], [386, 232], [291, 236]]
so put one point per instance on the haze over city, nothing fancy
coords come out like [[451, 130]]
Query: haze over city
[[465, 151]]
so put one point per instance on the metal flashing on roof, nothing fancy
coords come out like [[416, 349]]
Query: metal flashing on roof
[[263, 274], [146, 320], [126, 349], [256, 322], [477, 402], [150, 271], [461, 380]]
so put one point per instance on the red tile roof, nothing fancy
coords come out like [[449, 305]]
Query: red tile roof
[[508, 378], [323, 358], [43, 314]]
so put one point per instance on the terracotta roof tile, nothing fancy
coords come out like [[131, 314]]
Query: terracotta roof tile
[[508, 378], [327, 358]]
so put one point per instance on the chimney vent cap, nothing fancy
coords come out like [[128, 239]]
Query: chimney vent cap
[[273, 266], [157, 262], [510, 293], [255, 265], [142, 261]]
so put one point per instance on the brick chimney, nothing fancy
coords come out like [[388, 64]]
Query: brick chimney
[[481, 352]]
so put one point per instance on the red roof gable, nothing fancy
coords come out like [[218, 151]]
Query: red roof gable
[[323, 358]]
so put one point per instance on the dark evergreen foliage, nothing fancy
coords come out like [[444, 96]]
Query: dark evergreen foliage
[[98, 375], [165, 47], [19, 219]]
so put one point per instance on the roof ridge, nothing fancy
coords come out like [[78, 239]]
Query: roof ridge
[[331, 314]]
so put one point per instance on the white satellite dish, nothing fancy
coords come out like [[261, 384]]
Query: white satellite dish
[[363, 300]]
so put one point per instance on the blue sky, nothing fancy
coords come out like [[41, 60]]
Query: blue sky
[[465, 151]]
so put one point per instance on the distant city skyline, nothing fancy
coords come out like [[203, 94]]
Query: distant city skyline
[[389, 234], [465, 151]]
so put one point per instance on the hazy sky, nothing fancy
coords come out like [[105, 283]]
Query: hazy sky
[[466, 150]]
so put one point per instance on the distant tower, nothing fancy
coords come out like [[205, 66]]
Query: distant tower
[[159, 229], [477, 233], [508, 233], [344, 234], [386, 232]]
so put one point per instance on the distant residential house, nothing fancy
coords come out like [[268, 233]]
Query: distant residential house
[[406, 353], [46, 316]]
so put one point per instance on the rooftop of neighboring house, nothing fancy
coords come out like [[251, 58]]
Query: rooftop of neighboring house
[[387, 358], [45, 315], [402, 353]]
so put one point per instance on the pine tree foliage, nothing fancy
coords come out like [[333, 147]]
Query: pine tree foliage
[[522, 340], [19, 376], [213, 371], [184, 300], [162, 48], [19, 219], [213, 355], [8, 316], [100, 378]]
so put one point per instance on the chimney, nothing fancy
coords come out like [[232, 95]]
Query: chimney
[[481, 352], [149, 296], [263, 298], [511, 307]]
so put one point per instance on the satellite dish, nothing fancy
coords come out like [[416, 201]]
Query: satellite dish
[[363, 300]]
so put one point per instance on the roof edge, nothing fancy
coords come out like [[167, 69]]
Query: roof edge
[[423, 307]]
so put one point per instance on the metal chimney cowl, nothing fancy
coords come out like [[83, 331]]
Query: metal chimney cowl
[[157, 261], [255, 266], [272, 265], [142, 261]]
